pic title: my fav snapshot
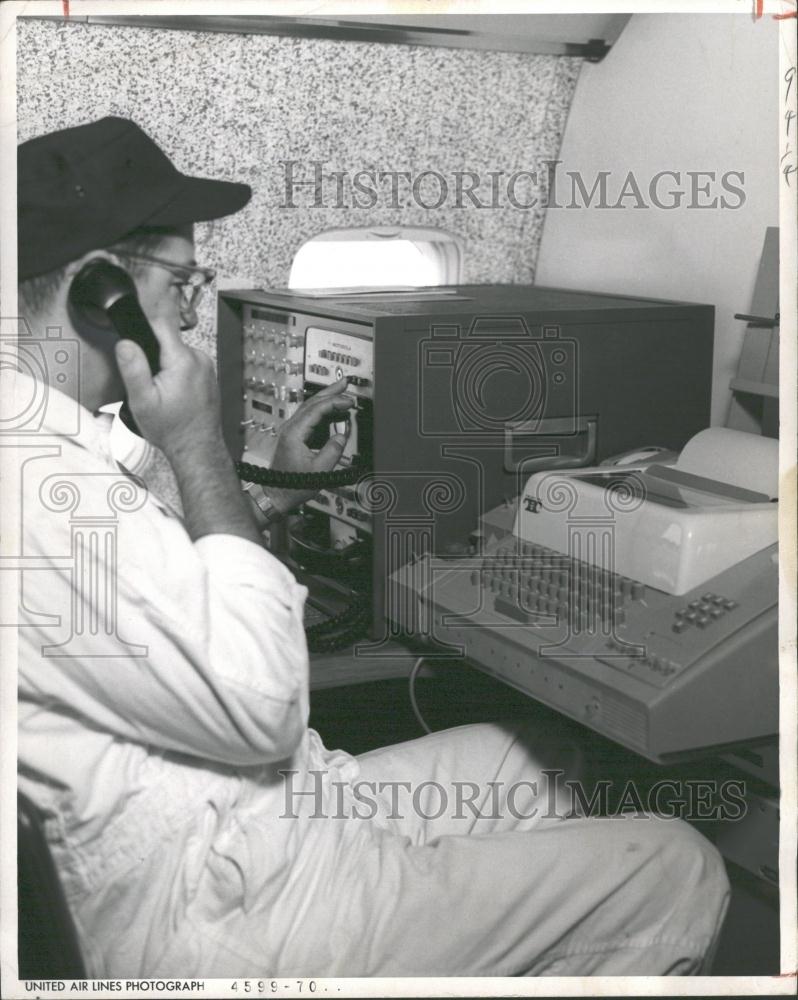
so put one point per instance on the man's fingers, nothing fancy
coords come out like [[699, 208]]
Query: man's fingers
[[318, 407], [327, 400], [333, 389], [328, 456], [133, 367]]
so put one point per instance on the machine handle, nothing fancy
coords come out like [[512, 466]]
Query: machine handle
[[553, 430]]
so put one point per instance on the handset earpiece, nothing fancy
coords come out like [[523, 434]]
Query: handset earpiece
[[103, 287]]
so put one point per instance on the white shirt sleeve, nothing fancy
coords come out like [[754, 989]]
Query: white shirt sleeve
[[219, 665]]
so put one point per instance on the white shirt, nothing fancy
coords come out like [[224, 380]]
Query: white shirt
[[163, 684]]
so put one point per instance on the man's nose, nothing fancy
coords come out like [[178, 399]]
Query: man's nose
[[188, 318]]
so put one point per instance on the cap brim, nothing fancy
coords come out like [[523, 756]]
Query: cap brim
[[199, 199]]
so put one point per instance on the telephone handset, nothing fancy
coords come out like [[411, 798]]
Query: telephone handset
[[102, 289]]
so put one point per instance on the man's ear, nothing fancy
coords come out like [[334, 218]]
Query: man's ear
[[75, 266], [87, 317]]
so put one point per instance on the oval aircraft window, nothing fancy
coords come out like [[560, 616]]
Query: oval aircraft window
[[377, 257]]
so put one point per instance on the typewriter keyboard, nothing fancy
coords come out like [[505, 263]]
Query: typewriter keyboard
[[528, 582]]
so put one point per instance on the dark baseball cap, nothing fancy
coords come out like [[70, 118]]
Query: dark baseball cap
[[86, 187]]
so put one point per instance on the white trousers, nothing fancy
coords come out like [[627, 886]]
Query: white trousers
[[501, 887]]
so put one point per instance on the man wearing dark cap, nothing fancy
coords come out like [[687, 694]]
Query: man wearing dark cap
[[198, 826]]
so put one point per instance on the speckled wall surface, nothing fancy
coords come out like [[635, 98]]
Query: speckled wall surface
[[234, 106]]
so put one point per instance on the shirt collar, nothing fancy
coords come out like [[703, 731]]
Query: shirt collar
[[48, 412]]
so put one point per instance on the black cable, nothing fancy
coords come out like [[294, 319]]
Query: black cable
[[337, 641], [341, 630], [412, 692], [352, 613], [354, 621], [298, 480], [351, 569]]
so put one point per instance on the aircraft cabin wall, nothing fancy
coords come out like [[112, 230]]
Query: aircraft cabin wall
[[234, 106]]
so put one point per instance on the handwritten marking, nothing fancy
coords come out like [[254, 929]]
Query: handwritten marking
[[759, 9], [788, 168]]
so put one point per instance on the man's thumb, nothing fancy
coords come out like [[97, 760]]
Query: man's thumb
[[331, 452], [133, 367]]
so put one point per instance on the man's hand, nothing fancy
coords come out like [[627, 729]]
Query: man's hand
[[292, 453], [178, 409]]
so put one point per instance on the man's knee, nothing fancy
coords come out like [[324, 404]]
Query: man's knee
[[692, 870], [702, 864], [544, 748], [687, 852]]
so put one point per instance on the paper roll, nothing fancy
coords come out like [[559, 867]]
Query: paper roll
[[734, 457]]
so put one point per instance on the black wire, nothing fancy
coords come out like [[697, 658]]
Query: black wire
[[341, 630], [353, 612], [330, 642], [298, 480], [354, 621]]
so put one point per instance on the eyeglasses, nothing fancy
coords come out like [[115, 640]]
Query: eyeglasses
[[192, 279]]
